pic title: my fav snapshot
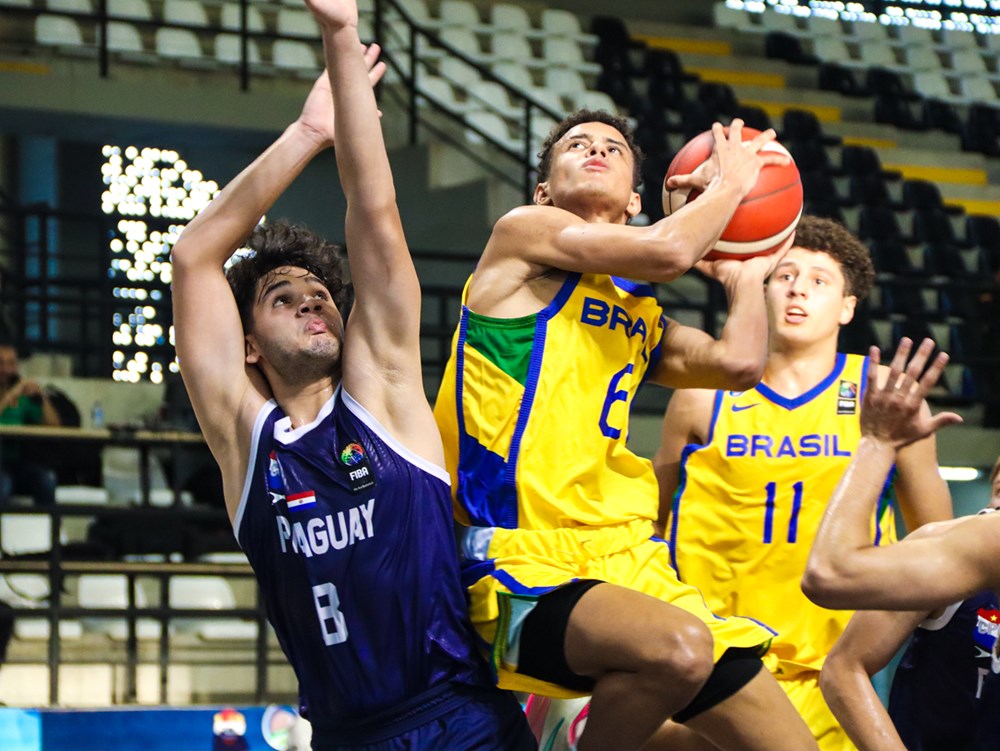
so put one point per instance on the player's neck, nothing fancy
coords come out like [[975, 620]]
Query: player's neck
[[302, 403], [795, 370]]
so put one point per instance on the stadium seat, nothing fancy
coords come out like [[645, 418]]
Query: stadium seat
[[229, 50], [231, 18], [492, 97], [295, 56], [57, 31], [509, 17], [177, 43], [110, 591], [138, 10], [564, 23], [568, 53], [207, 593]]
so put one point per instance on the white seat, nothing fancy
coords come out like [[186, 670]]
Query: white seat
[[123, 37], [70, 6], [228, 50], [25, 533], [25, 590], [569, 54], [293, 22], [955, 39], [831, 49], [417, 9], [57, 31], [177, 43], [492, 97], [186, 12], [465, 41], [110, 591], [16, 3], [38, 629], [137, 9], [231, 18], [565, 23], [565, 80], [596, 100], [514, 73], [921, 58], [493, 126], [821, 26], [292, 55], [457, 72], [869, 31], [978, 89], [442, 93], [968, 62], [458, 13], [877, 54], [932, 84], [507, 45], [737, 19], [507, 17], [82, 493], [914, 36], [783, 22], [207, 593]]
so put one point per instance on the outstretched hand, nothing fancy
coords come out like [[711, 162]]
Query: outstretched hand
[[318, 114], [892, 413]]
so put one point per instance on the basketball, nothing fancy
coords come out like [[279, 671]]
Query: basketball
[[766, 216]]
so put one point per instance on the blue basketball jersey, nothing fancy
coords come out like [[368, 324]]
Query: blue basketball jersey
[[946, 693], [350, 536]]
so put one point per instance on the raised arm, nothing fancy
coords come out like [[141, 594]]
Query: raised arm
[[210, 339], [545, 237], [844, 569], [922, 493], [382, 349], [693, 359], [866, 646]]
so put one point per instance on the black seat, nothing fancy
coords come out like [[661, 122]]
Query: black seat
[[718, 98], [940, 115], [868, 189], [755, 117], [808, 154], [835, 77], [779, 45], [980, 130], [892, 110], [803, 125], [879, 223]]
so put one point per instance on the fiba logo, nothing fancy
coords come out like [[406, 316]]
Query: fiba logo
[[352, 454]]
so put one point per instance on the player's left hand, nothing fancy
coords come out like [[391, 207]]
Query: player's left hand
[[318, 114], [892, 413]]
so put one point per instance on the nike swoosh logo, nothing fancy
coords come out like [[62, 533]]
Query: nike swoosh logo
[[740, 408]]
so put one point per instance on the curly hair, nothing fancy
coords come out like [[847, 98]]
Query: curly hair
[[281, 244], [590, 116], [834, 239]]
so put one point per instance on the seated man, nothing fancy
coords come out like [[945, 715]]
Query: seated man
[[23, 402]]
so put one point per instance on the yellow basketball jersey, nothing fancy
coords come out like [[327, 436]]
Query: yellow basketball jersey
[[534, 410], [750, 500]]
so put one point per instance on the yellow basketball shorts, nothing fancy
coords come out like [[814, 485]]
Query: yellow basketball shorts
[[803, 691], [519, 566]]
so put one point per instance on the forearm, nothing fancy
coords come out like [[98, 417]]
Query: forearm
[[838, 565], [744, 336], [212, 236], [49, 414], [689, 234], [852, 699], [361, 155]]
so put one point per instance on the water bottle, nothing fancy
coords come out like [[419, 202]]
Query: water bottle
[[97, 414]]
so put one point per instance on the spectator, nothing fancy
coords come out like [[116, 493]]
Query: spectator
[[23, 403]]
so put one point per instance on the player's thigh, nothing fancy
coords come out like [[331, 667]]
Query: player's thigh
[[758, 717], [616, 628]]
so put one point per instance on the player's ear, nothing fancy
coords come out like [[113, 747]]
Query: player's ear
[[252, 351], [634, 205], [542, 197], [847, 311]]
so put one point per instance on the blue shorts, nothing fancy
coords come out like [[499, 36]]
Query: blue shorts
[[452, 718]]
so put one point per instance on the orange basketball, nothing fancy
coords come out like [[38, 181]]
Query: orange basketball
[[766, 216]]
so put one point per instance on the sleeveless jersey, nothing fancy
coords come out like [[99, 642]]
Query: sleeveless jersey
[[946, 693], [350, 535], [534, 410], [750, 500]]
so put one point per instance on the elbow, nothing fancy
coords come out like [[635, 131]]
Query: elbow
[[823, 585], [744, 374]]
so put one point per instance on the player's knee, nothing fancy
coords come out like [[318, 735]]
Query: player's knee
[[684, 654]]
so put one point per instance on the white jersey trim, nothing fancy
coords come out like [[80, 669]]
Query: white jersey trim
[[258, 423], [376, 427], [936, 624]]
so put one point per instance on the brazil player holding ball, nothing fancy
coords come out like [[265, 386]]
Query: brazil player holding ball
[[569, 588]]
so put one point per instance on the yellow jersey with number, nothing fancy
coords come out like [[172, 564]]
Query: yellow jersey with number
[[750, 500], [534, 410]]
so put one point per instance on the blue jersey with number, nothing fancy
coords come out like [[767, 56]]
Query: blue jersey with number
[[350, 536], [946, 691]]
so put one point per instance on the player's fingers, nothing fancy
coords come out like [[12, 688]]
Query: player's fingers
[[376, 73], [943, 420], [718, 133], [762, 139], [685, 182], [774, 157], [736, 131], [897, 366], [919, 360], [933, 373], [874, 355]]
